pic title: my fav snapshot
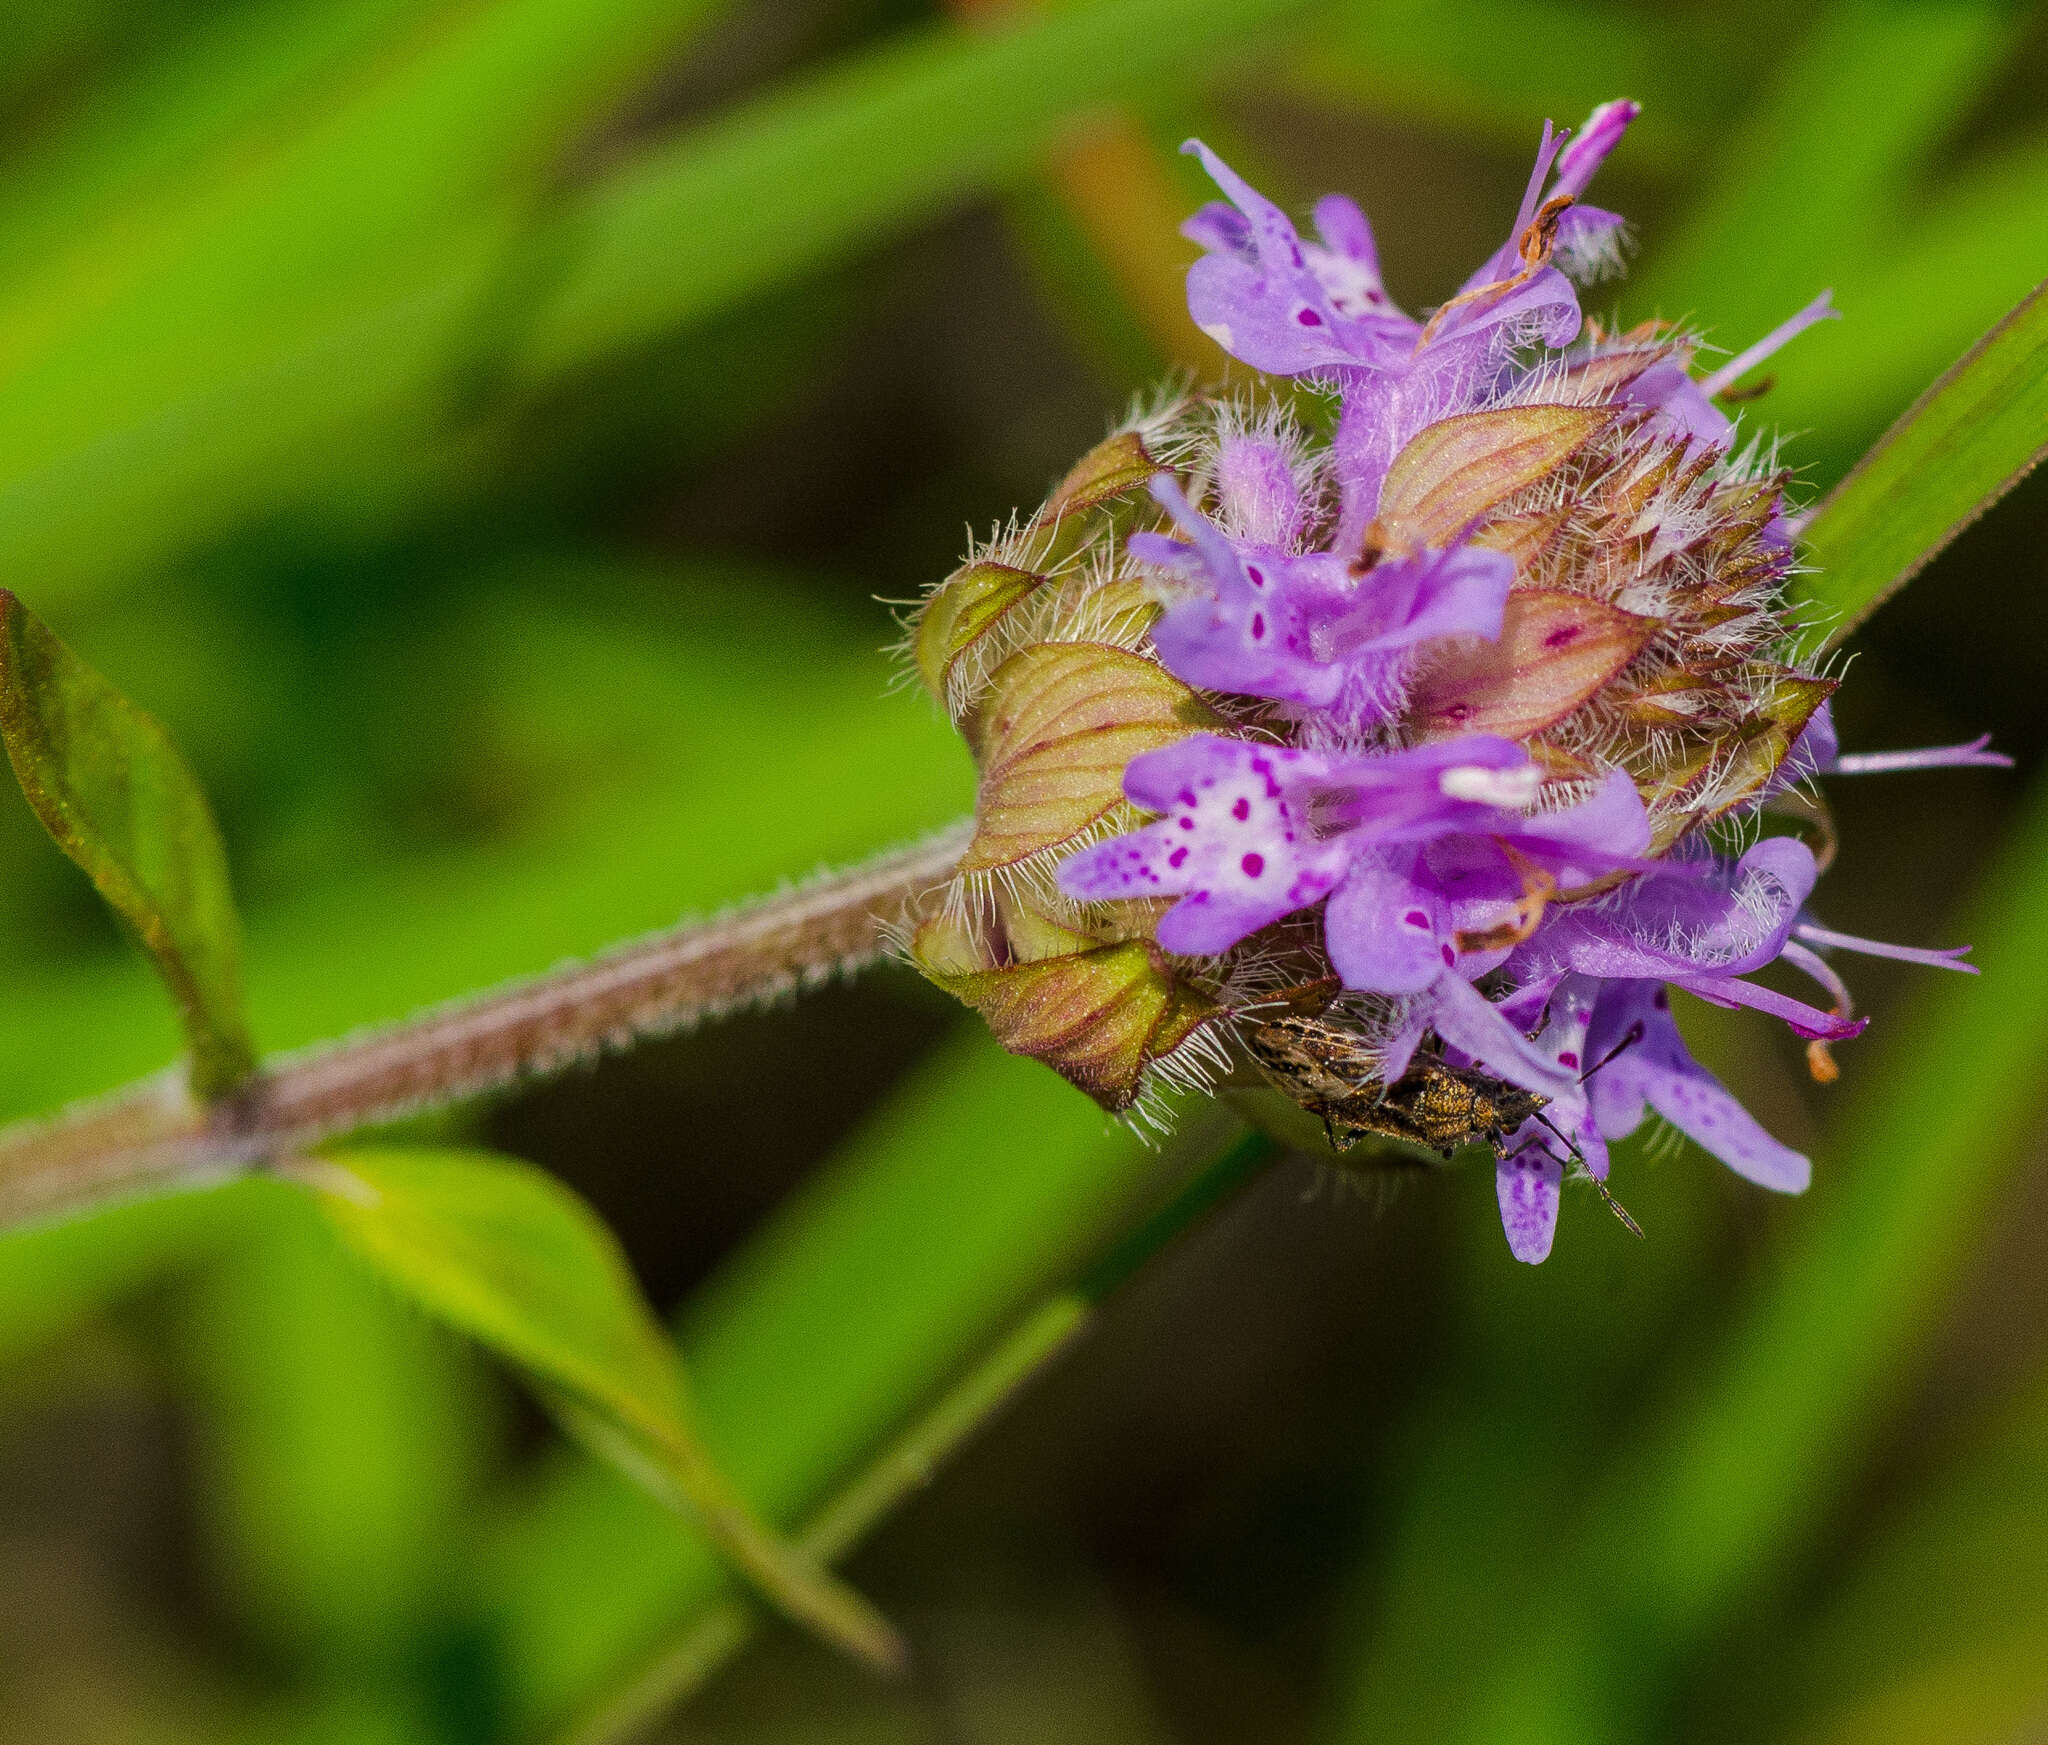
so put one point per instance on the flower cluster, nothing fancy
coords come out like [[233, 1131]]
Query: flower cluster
[[1430, 696]]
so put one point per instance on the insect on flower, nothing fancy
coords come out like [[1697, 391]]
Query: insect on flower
[[1459, 712], [1330, 1069]]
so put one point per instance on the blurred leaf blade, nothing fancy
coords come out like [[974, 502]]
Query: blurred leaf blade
[[214, 355], [338, 1439], [965, 1193], [1813, 178], [1967, 441], [118, 797], [1939, 1629], [507, 1254], [207, 342], [850, 155]]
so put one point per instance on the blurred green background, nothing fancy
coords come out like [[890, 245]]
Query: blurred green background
[[482, 430]]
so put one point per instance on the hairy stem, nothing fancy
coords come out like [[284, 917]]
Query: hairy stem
[[155, 1136]]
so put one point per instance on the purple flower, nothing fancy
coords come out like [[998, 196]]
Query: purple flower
[[1303, 628], [1282, 305], [1574, 572], [1432, 865], [1253, 832], [1703, 934]]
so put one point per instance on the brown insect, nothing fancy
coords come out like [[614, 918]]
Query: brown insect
[[1331, 1073]]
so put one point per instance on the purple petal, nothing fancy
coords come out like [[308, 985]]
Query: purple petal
[[1403, 601], [1231, 845], [1588, 149], [1387, 931], [1661, 1071], [1428, 790], [1729, 924], [1815, 752], [1346, 262], [1590, 243], [1683, 411], [1471, 1023], [1260, 298], [1699, 1106], [1619, 1058], [1542, 310], [1579, 843], [1218, 227], [1252, 633], [1345, 231], [1527, 1180]]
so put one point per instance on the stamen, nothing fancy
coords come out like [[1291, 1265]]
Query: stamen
[[1820, 309], [1820, 1059], [1538, 888], [1878, 763], [1934, 957]]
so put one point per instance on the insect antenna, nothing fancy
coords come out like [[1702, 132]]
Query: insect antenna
[[1629, 1039], [1570, 1144], [1579, 1157], [1617, 1208]]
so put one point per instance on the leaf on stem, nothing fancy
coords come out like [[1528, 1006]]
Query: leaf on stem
[[120, 800], [1960, 447], [508, 1255]]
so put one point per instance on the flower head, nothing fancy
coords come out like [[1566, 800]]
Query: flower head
[[1456, 723]]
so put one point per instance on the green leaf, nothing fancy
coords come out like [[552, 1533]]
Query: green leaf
[[510, 1256], [1961, 446], [290, 319], [337, 1442], [841, 159], [112, 789], [976, 1184]]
